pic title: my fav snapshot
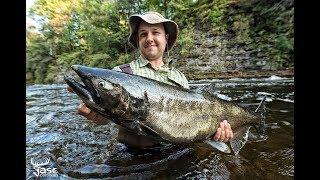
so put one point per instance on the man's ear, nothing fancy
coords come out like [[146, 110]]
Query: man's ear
[[167, 37]]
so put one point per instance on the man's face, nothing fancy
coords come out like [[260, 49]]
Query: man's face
[[152, 40]]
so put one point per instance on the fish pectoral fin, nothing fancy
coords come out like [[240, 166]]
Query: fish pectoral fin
[[239, 139], [221, 146]]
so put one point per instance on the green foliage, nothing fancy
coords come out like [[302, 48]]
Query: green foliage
[[69, 58], [123, 58], [41, 70], [241, 27], [282, 52], [38, 57], [185, 41], [274, 26], [181, 11], [284, 44], [51, 73], [217, 14], [151, 5], [98, 60], [76, 32]]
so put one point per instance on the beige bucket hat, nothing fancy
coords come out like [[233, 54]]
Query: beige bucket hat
[[152, 17]]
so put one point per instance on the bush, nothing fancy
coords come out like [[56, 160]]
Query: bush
[[185, 41]]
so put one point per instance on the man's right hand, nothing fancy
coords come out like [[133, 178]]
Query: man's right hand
[[88, 113]]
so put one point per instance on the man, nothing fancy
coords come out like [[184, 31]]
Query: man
[[153, 35]]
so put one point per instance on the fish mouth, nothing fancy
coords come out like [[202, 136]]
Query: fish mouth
[[84, 90]]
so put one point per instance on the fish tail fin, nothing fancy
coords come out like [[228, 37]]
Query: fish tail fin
[[239, 139], [261, 111], [221, 146], [237, 142]]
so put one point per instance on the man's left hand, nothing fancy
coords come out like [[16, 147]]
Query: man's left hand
[[224, 132]]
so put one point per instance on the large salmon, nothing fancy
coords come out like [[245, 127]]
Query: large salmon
[[159, 110]]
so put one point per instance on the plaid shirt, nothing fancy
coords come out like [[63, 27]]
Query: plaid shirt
[[166, 73]]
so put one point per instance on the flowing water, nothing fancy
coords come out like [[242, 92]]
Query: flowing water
[[63, 145]]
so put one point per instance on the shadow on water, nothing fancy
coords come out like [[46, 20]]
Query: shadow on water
[[129, 163], [79, 149]]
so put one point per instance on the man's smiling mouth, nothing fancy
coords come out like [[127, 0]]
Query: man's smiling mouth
[[149, 46]]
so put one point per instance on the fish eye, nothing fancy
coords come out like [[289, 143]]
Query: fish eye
[[105, 85], [101, 83]]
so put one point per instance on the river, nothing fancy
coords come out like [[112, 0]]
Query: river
[[61, 144]]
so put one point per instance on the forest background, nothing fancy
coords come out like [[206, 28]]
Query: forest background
[[218, 38]]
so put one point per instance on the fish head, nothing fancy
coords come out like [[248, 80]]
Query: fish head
[[97, 90], [102, 91], [108, 94]]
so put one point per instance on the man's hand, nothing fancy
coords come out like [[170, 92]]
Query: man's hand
[[224, 132], [88, 113], [70, 89], [91, 115]]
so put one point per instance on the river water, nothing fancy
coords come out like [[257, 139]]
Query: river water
[[63, 145]]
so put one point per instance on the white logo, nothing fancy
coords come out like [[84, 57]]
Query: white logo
[[41, 170]]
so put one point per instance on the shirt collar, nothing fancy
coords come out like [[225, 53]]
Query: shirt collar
[[142, 61]]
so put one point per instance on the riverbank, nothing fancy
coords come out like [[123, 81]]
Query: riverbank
[[239, 74]]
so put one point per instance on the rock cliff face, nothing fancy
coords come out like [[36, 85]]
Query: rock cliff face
[[211, 57], [258, 42]]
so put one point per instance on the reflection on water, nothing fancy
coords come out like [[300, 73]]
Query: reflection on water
[[80, 149]]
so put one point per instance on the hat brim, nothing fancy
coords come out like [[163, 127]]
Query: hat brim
[[171, 28]]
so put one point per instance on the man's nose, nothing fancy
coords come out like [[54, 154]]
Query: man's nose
[[149, 37]]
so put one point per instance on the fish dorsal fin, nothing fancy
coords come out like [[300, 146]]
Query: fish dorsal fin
[[239, 139], [221, 146]]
